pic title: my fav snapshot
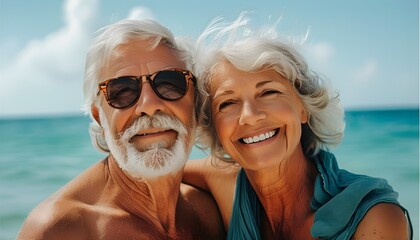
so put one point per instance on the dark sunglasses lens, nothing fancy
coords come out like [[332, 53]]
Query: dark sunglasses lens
[[170, 85], [123, 92]]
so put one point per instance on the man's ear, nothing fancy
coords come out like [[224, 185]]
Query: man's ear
[[95, 113]]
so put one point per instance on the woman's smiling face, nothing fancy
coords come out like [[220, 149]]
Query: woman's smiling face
[[257, 116]]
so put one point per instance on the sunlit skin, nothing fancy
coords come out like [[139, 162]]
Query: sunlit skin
[[130, 60], [248, 104], [104, 202], [252, 104]]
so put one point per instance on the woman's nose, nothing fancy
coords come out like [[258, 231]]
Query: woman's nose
[[251, 114]]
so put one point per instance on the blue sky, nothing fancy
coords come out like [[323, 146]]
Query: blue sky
[[367, 50]]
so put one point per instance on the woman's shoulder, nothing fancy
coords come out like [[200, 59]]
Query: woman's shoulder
[[383, 221], [218, 178], [211, 169], [361, 204]]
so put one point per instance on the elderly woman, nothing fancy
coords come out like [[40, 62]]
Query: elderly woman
[[271, 120]]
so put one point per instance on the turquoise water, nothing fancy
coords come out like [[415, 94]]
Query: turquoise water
[[38, 156]]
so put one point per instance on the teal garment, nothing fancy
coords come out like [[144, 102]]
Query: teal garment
[[340, 201], [245, 219]]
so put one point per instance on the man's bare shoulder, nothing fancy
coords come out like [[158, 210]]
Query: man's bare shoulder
[[206, 209], [62, 214], [52, 219]]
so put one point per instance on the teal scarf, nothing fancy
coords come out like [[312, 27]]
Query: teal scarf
[[245, 220], [340, 201]]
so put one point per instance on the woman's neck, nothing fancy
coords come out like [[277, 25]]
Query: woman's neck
[[285, 192]]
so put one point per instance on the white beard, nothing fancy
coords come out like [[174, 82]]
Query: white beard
[[155, 161]]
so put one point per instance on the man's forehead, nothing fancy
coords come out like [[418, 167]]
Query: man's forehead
[[137, 58], [144, 45], [144, 51], [141, 45]]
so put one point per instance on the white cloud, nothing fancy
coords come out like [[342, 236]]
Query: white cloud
[[319, 56], [47, 75], [140, 13], [367, 72]]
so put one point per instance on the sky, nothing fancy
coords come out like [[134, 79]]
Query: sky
[[367, 50]]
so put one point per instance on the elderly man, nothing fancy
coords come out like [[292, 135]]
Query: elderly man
[[141, 97]]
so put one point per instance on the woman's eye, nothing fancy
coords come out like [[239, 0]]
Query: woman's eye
[[270, 92], [225, 104]]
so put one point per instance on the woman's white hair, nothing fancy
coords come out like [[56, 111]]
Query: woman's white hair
[[255, 50], [98, 56]]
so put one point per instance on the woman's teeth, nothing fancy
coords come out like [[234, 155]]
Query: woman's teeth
[[260, 137]]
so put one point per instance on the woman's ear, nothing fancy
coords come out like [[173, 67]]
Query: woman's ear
[[304, 116], [95, 113]]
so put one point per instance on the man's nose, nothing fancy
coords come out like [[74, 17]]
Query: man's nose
[[149, 103]]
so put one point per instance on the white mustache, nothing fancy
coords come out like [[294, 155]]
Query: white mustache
[[158, 120]]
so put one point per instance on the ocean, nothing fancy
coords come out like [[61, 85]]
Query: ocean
[[39, 155]]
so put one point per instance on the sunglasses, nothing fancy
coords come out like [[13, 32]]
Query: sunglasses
[[123, 92]]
